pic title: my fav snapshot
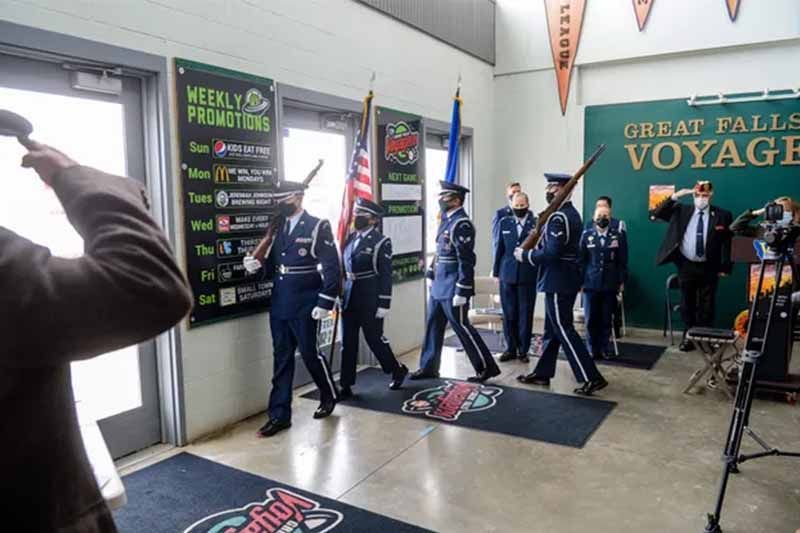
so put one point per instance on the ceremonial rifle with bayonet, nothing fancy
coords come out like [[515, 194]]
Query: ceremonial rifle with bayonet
[[262, 250], [536, 235]]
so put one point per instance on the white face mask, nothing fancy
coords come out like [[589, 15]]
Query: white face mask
[[700, 202]]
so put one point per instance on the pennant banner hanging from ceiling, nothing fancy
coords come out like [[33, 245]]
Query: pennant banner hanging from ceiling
[[564, 20], [733, 8], [642, 9]]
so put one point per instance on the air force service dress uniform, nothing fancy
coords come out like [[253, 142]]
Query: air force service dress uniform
[[517, 283], [453, 273], [604, 256], [304, 266], [560, 279], [367, 288]]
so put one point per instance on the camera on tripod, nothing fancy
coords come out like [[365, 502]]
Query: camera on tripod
[[779, 234]]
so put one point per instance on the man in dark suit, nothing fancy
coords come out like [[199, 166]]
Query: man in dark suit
[[517, 280], [126, 288], [698, 241]]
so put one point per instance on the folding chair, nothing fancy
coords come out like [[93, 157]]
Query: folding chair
[[714, 344], [487, 291]]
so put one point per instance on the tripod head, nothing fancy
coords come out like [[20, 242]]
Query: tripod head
[[779, 234]]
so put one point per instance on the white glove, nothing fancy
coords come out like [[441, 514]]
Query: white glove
[[458, 301], [319, 313], [429, 282], [518, 254], [381, 313], [251, 264]]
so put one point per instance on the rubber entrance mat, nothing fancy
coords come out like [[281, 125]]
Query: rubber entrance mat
[[631, 354], [189, 494], [531, 414]]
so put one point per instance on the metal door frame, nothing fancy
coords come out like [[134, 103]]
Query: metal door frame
[[153, 71]]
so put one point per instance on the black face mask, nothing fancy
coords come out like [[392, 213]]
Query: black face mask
[[550, 196], [521, 212], [602, 222], [286, 210], [444, 205], [361, 222]]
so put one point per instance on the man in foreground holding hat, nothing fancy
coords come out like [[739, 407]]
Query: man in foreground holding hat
[[560, 278], [367, 296], [304, 266], [452, 273], [698, 241]]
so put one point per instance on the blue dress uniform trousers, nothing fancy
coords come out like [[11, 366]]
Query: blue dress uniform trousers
[[453, 273], [517, 282], [598, 308], [304, 268], [368, 286], [559, 332]]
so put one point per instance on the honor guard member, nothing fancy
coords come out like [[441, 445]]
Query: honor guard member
[[367, 296], [604, 257], [304, 267], [452, 273], [560, 280], [517, 280]]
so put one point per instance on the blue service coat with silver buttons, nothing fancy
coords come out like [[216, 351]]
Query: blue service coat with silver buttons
[[304, 268], [506, 268], [557, 253], [453, 270], [368, 272], [604, 259]]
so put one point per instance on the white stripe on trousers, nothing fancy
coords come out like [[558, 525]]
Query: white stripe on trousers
[[328, 376], [566, 339], [474, 343]]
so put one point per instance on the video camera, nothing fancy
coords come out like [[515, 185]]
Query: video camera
[[778, 235]]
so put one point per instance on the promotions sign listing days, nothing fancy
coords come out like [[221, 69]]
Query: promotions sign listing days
[[226, 128]]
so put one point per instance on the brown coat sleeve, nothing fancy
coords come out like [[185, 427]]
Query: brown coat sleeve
[[125, 288]]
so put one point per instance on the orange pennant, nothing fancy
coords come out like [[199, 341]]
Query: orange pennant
[[642, 9], [564, 21], [733, 8]]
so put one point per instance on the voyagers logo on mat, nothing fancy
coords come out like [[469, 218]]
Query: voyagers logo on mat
[[448, 401], [283, 511]]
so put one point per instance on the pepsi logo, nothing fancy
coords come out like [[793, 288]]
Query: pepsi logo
[[220, 149]]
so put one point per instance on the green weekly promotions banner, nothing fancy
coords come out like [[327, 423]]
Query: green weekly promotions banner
[[749, 150], [226, 131], [401, 174]]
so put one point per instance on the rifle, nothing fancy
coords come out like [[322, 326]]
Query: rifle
[[261, 251], [533, 238]]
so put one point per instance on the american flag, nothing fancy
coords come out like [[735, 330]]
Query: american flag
[[359, 178]]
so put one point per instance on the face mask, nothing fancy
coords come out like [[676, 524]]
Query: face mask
[[521, 212], [550, 196], [361, 222], [602, 222], [286, 210], [444, 205], [700, 203]]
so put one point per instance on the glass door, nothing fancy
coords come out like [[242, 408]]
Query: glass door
[[435, 167], [102, 130]]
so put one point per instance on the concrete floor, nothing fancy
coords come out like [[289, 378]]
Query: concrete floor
[[652, 466]]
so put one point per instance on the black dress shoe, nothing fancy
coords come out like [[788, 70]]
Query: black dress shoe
[[590, 387], [533, 379], [598, 357], [507, 356], [686, 346], [325, 409], [486, 374], [398, 378], [523, 357], [345, 393], [423, 374], [273, 427]]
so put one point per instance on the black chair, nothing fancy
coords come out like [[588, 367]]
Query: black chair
[[670, 307]]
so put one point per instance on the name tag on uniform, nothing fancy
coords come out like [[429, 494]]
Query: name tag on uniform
[[506, 231], [302, 240], [591, 246]]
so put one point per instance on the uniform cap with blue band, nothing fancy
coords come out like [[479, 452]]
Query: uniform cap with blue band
[[452, 188], [557, 178], [368, 207]]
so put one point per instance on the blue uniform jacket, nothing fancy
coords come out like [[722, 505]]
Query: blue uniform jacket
[[368, 272], [557, 253], [604, 259], [506, 267], [501, 213], [453, 270], [304, 268]]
